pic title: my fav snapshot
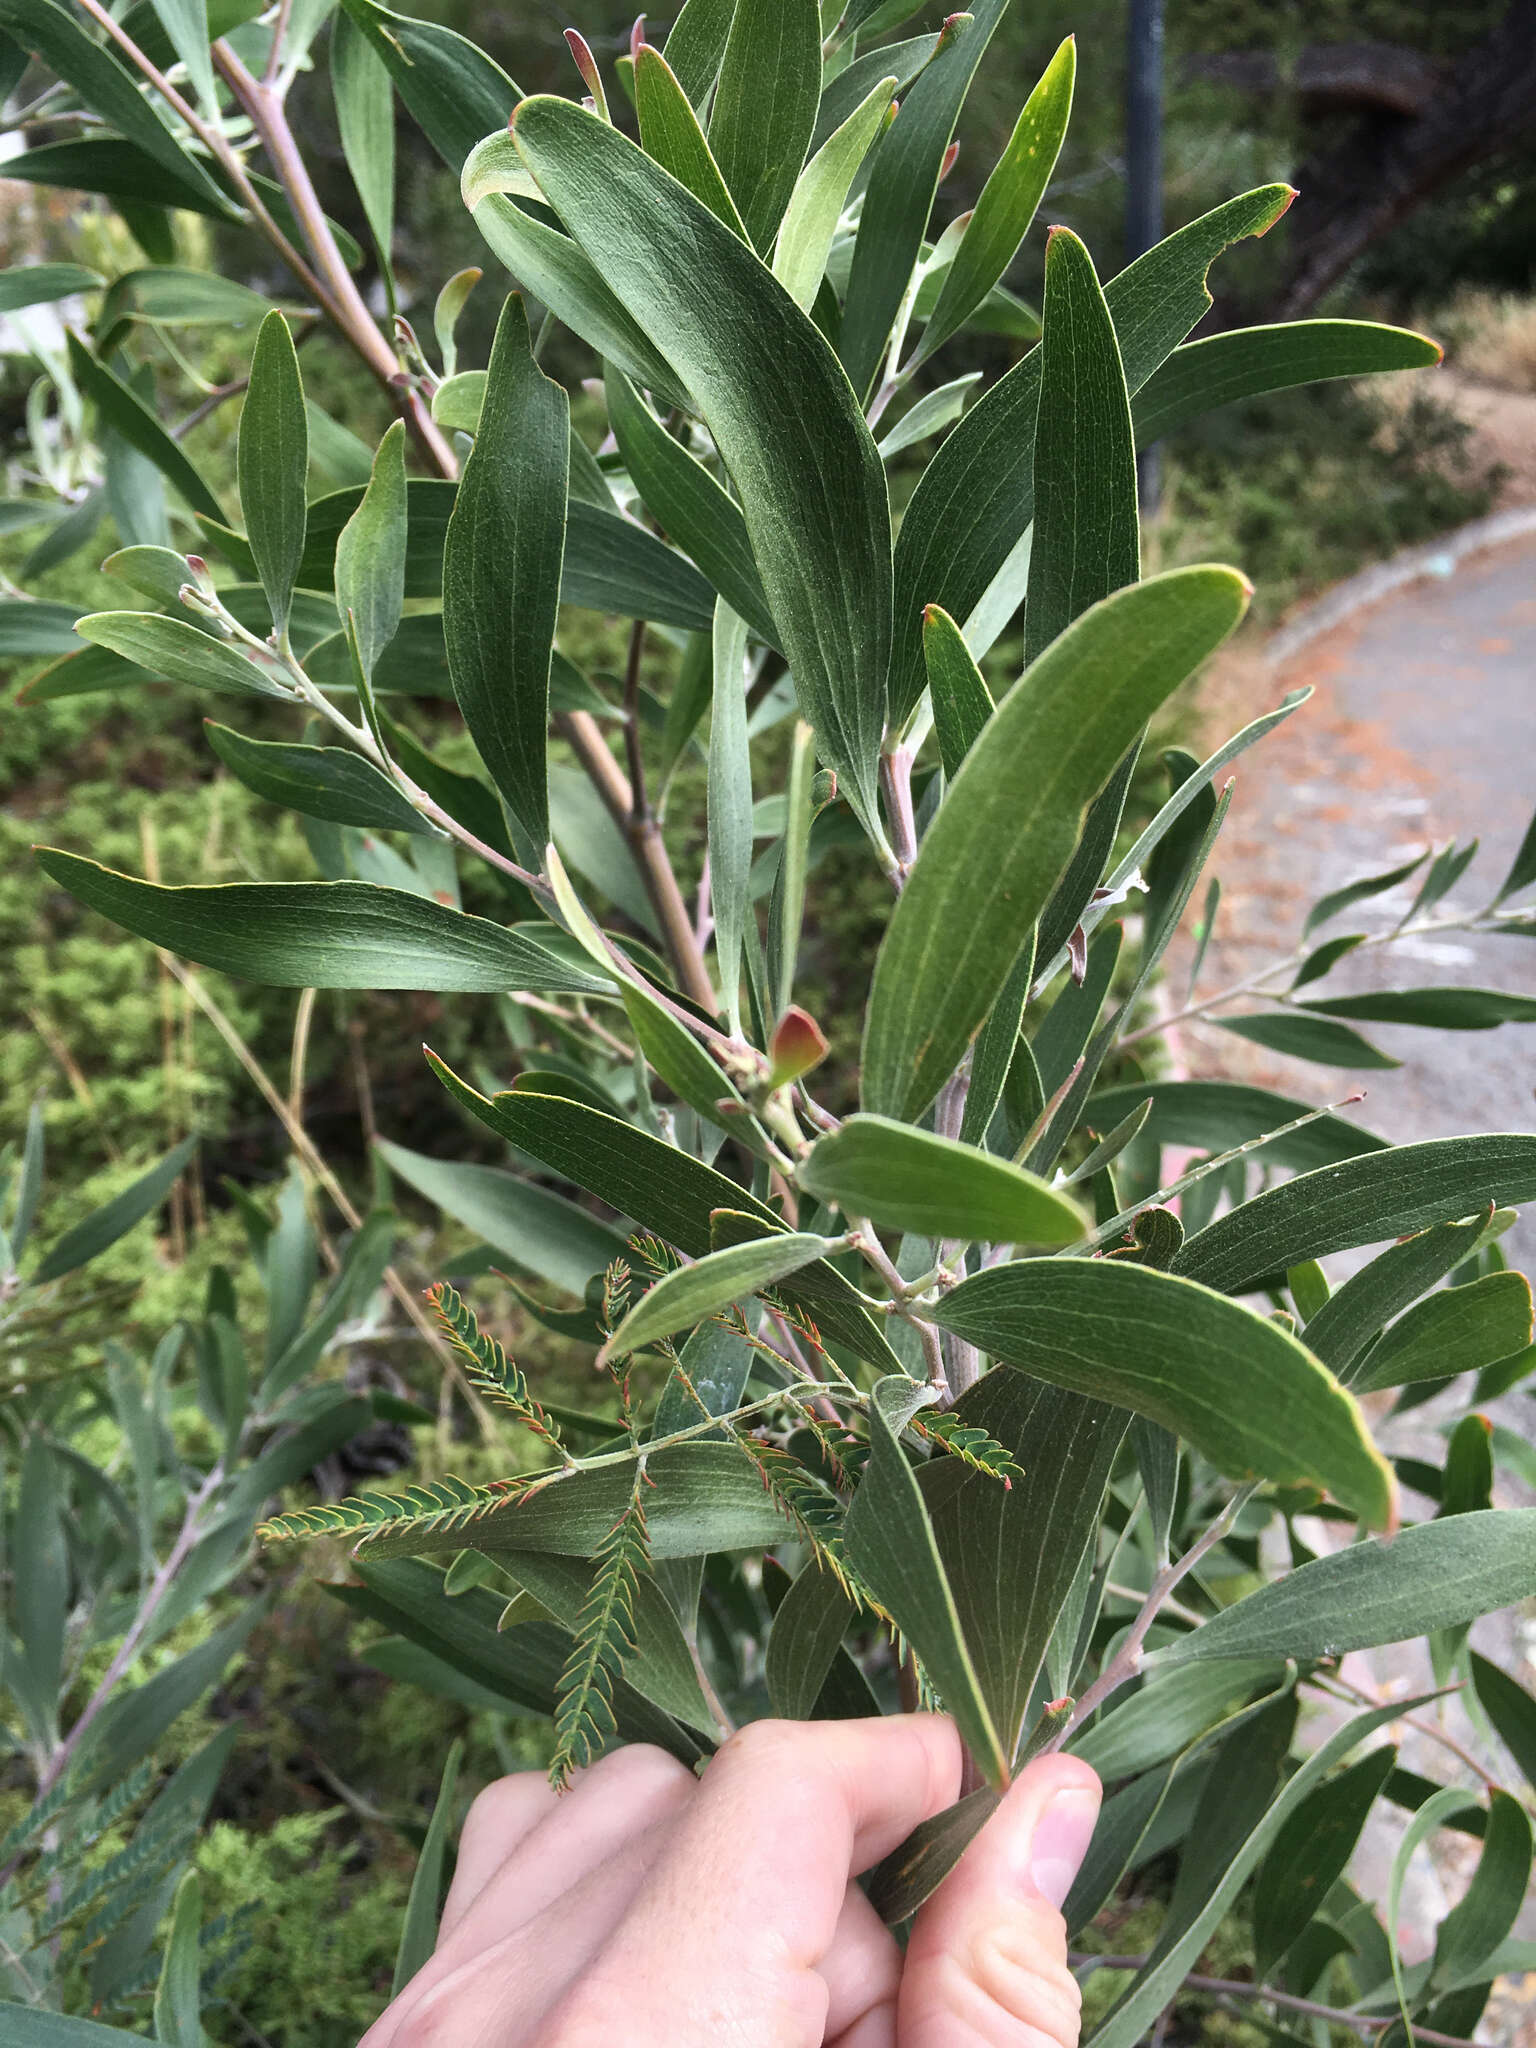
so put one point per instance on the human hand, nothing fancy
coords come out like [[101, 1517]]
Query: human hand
[[650, 1909]]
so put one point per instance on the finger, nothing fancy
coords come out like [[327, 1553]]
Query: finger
[[862, 1967], [499, 1994], [502, 1816], [987, 1963], [748, 1895]]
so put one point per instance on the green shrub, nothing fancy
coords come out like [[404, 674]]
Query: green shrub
[[865, 1454]]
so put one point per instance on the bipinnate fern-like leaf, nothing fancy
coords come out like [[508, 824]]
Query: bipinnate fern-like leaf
[[431, 1508], [486, 1363], [605, 1637]]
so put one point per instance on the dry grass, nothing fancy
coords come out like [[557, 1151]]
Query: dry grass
[[1491, 337]]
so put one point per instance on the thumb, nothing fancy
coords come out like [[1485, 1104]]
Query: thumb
[[987, 1962]]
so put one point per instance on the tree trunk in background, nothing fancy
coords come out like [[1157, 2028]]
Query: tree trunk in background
[[1357, 189]]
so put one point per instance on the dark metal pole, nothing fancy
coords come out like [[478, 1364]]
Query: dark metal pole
[[1144, 168]]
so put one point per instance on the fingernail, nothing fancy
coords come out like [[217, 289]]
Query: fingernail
[[1062, 1835]]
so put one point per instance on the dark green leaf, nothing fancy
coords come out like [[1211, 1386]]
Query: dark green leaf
[[1474, 1928], [890, 1544], [689, 505], [540, 1233], [1087, 532], [1008, 202], [178, 1995], [811, 482], [273, 465], [1304, 1037], [1011, 1553], [1512, 1711], [808, 1630], [452, 89], [662, 1188], [40, 1567], [1149, 1342], [1171, 1711], [1310, 1853], [106, 86], [1433, 1575], [322, 934], [371, 554], [1522, 870], [1359, 892], [1442, 1009], [1360, 1201], [765, 108], [962, 703], [1248, 361], [418, 1936], [914, 1871], [988, 863], [854, 83], [976, 497], [38, 284], [1458, 1329], [899, 197], [106, 1225], [32, 626], [670, 132], [128, 415], [901, 1178], [1325, 957], [317, 782], [1214, 1116], [501, 571]]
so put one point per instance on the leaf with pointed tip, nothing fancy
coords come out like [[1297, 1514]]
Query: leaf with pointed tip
[[1359, 892], [1458, 1329], [902, 1178], [765, 108], [1213, 1116], [1437, 1009], [811, 482], [976, 497], [1303, 1037], [890, 1543], [807, 1634], [718, 1281], [1249, 361], [730, 802], [371, 551], [962, 703], [176, 649], [1470, 1934], [273, 458], [40, 284], [1433, 1575], [988, 862], [1360, 1201], [539, 1232], [1008, 202], [1087, 529], [1358, 1310], [914, 1871], [1233, 1384], [502, 562], [670, 132], [696, 43], [453, 91], [898, 199], [663, 1188], [318, 782], [322, 934], [810, 224]]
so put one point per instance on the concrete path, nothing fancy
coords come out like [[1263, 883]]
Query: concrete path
[[1423, 726]]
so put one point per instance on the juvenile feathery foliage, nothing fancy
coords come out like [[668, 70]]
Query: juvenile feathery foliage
[[487, 1365], [437, 1506], [604, 1638]]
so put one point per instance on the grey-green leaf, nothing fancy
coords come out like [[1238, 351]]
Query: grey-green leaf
[[501, 571], [902, 1178], [718, 1281], [810, 479], [1458, 1329], [370, 554], [273, 463], [176, 649], [322, 934], [891, 1545], [317, 782], [1434, 1575], [989, 860], [1228, 1381], [765, 108]]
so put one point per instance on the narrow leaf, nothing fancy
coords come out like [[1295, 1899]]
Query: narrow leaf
[[176, 649], [273, 461], [718, 1281], [730, 805], [800, 254], [317, 782], [962, 703], [765, 108], [371, 552], [418, 1936], [902, 1178], [670, 132], [365, 118]]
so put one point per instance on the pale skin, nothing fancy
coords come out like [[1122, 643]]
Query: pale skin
[[657, 1909]]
